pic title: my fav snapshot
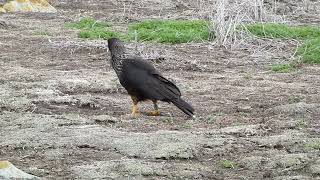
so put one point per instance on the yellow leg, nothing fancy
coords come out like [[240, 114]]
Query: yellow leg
[[156, 111], [135, 110]]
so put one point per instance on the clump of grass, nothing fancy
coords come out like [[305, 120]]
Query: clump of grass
[[310, 51], [293, 99], [187, 125], [87, 23], [272, 30], [227, 164], [42, 33], [313, 146], [302, 124], [282, 68], [168, 120], [97, 34], [170, 31], [92, 29]]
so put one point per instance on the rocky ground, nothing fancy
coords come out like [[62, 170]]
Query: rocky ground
[[63, 114]]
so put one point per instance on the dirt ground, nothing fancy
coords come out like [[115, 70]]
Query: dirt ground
[[63, 114]]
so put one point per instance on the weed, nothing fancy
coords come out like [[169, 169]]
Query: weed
[[293, 99], [282, 68], [313, 146], [170, 31], [210, 119], [168, 120], [310, 51], [301, 124], [187, 125], [87, 23], [42, 33], [227, 164], [97, 34], [92, 29], [272, 30], [247, 76], [244, 114]]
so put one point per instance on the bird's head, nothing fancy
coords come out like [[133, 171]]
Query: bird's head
[[116, 47], [112, 42]]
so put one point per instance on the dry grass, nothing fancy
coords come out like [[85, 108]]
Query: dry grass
[[230, 16]]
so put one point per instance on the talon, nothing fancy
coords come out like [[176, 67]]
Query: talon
[[135, 115], [153, 113]]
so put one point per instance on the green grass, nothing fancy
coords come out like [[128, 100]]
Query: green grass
[[183, 31], [313, 146], [227, 164], [170, 31], [92, 29], [309, 50], [282, 68], [42, 33], [87, 23], [97, 34], [271, 30]]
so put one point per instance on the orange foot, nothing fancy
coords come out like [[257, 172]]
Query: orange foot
[[135, 114], [153, 113]]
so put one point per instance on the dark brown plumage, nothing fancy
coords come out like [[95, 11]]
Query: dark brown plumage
[[143, 81]]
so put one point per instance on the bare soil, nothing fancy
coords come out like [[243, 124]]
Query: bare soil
[[63, 114]]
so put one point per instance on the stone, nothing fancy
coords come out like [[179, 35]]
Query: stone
[[29, 6], [244, 109], [2, 10], [9, 171]]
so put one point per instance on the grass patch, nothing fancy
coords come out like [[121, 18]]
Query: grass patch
[[313, 146], [97, 34], [92, 29], [87, 23], [271, 30], [187, 125], [301, 124], [282, 68], [42, 33], [309, 51], [227, 164], [170, 31]]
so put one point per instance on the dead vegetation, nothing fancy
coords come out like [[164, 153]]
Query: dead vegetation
[[64, 115]]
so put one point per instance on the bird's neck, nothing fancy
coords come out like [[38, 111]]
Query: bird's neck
[[118, 55], [116, 63]]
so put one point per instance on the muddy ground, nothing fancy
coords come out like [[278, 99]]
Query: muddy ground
[[63, 114]]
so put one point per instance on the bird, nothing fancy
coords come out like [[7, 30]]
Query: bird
[[143, 82]]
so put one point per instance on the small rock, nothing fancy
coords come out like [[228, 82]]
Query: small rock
[[245, 109], [29, 6], [2, 10], [9, 171], [104, 119], [3, 24]]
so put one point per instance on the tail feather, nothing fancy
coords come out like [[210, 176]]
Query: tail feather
[[183, 106]]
